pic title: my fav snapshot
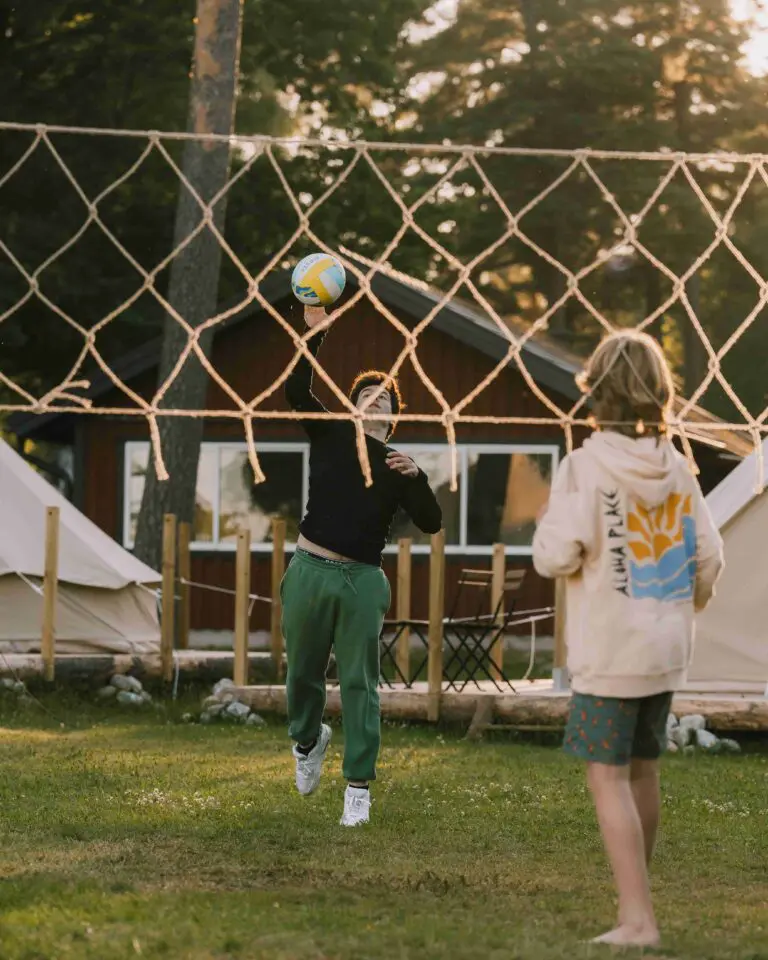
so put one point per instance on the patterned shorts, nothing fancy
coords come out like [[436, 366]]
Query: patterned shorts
[[613, 730]]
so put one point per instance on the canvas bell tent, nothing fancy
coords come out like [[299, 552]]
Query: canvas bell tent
[[105, 599], [732, 633]]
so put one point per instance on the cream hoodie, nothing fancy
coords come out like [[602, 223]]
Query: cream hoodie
[[628, 526]]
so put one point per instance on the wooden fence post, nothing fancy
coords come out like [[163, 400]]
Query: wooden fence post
[[559, 670], [278, 571], [498, 574], [436, 615], [242, 607], [403, 656], [185, 575], [169, 596], [50, 591]]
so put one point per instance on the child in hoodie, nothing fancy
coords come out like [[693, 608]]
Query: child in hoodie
[[627, 525]]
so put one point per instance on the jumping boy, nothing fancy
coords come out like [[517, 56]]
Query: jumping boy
[[628, 527], [335, 593]]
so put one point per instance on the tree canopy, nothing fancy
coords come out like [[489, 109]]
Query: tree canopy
[[539, 74]]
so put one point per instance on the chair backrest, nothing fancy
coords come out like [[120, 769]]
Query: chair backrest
[[513, 584], [478, 584]]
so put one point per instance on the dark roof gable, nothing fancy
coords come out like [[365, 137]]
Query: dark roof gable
[[548, 363], [456, 319]]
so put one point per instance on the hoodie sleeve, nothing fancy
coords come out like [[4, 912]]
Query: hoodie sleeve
[[560, 542], [709, 554]]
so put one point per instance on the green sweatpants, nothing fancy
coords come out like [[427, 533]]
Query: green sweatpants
[[341, 605]]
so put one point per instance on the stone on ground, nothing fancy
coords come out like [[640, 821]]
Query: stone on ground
[[707, 741], [124, 682], [129, 698], [238, 711], [222, 685], [693, 722]]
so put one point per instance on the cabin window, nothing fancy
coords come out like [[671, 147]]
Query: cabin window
[[435, 461], [500, 488], [226, 498], [505, 491]]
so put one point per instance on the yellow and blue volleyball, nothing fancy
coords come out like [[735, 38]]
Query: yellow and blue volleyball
[[318, 280]]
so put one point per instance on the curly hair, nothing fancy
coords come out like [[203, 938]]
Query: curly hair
[[630, 383], [373, 378]]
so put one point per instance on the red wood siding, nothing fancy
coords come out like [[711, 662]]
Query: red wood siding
[[215, 611], [249, 356]]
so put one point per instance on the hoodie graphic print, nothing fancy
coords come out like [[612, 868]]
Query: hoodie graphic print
[[653, 550]]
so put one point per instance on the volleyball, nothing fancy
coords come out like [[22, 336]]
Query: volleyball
[[318, 280]]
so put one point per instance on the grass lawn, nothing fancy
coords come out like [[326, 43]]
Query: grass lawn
[[126, 836]]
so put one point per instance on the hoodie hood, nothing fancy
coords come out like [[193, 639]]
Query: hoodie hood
[[646, 467]]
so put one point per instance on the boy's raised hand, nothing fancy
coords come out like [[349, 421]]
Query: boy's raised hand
[[314, 315]]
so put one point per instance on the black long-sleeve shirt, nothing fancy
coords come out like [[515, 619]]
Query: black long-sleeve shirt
[[343, 515]]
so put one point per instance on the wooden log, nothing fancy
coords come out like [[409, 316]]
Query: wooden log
[[242, 606], [482, 719], [185, 575], [50, 592], [540, 711], [436, 613], [404, 570], [498, 574], [725, 715], [168, 625], [278, 571]]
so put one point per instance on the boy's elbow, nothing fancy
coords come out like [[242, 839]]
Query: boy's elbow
[[433, 522]]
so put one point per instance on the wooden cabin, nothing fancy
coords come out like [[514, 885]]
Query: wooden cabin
[[505, 471]]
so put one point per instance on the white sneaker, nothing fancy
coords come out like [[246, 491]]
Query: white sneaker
[[357, 807], [310, 766]]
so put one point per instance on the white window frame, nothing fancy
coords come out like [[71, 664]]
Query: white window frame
[[302, 447], [462, 548], [205, 546]]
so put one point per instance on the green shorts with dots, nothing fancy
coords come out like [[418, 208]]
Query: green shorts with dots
[[613, 730]]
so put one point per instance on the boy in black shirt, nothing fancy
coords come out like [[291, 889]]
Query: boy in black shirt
[[335, 593]]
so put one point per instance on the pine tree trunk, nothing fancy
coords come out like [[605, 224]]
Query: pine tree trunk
[[194, 279]]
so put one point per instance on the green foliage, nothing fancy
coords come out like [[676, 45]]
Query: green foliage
[[101, 63], [531, 73], [549, 74]]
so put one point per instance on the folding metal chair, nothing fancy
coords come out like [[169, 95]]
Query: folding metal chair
[[471, 640]]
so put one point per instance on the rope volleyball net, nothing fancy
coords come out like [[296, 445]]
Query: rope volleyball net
[[69, 394]]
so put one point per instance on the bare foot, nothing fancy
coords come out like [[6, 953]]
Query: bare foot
[[626, 936]]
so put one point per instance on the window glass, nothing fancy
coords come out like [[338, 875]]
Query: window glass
[[505, 492], [437, 466], [243, 504], [205, 494], [136, 469]]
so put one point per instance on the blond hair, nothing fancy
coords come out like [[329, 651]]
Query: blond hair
[[630, 383]]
